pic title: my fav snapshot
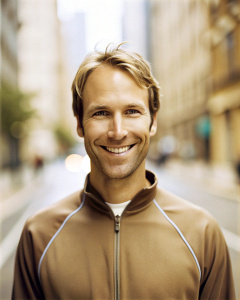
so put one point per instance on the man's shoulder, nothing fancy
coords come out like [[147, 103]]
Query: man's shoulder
[[195, 222], [183, 210], [54, 214], [41, 227]]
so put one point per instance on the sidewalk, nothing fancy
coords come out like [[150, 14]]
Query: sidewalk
[[220, 180], [13, 185], [13, 180]]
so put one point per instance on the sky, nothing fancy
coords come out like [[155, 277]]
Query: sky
[[103, 19]]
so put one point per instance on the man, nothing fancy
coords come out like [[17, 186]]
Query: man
[[120, 237]]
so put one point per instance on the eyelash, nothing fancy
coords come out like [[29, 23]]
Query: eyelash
[[100, 113], [133, 111], [130, 111]]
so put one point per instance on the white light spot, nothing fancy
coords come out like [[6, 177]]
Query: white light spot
[[85, 164], [73, 163]]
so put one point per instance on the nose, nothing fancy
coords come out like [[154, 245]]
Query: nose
[[116, 128]]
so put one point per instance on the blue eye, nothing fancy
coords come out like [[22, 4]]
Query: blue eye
[[132, 111], [101, 113]]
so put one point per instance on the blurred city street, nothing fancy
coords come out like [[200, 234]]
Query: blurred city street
[[54, 182], [193, 49]]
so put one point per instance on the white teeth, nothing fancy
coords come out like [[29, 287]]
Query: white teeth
[[118, 150]]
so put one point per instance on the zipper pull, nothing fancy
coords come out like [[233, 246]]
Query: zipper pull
[[117, 223]]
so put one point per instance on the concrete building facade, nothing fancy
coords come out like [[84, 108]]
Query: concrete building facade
[[9, 30], [135, 25], [40, 72], [181, 62], [224, 102], [9, 27]]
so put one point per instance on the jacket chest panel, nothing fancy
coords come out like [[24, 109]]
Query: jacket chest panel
[[79, 264], [154, 263]]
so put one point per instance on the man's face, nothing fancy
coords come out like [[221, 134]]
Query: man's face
[[116, 122]]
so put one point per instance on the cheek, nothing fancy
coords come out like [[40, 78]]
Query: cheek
[[141, 120], [141, 126], [142, 133], [94, 130]]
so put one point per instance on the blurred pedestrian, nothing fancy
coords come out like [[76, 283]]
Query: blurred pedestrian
[[238, 167], [121, 237], [38, 162]]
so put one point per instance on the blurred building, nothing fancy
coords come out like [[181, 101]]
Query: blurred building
[[40, 72], [136, 26], [181, 63], [73, 39], [9, 26], [224, 102], [8, 30]]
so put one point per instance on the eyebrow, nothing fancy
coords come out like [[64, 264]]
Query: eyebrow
[[95, 107], [135, 104]]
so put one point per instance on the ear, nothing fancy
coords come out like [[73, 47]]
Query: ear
[[79, 128], [153, 129]]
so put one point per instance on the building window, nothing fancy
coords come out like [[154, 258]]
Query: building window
[[230, 44], [214, 7]]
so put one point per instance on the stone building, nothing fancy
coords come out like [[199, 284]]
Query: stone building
[[181, 62], [8, 30], [40, 73], [224, 102], [9, 27]]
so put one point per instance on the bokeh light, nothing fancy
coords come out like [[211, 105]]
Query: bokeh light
[[86, 164], [73, 162], [77, 163]]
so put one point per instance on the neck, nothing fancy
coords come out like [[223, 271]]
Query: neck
[[119, 190]]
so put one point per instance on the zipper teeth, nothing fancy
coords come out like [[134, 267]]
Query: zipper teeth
[[117, 279], [117, 268]]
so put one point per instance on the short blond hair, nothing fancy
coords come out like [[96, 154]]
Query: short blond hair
[[131, 62]]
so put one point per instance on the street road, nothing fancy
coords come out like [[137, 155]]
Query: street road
[[55, 182]]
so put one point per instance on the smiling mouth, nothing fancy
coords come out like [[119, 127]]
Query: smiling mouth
[[117, 150]]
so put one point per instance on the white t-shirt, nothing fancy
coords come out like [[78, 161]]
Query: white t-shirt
[[118, 208]]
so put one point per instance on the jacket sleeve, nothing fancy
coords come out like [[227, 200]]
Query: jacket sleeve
[[217, 278], [26, 284]]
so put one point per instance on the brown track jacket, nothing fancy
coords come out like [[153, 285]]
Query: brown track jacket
[[162, 247]]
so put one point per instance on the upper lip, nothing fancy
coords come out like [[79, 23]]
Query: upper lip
[[110, 146], [117, 146]]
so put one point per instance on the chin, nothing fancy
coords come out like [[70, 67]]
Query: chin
[[118, 173]]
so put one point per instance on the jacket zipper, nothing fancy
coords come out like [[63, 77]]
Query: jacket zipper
[[117, 275]]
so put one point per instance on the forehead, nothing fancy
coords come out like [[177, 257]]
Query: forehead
[[107, 82]]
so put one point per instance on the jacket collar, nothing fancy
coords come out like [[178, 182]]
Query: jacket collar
[[139, 201]]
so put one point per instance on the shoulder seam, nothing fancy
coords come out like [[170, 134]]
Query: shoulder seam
[[181, 235], [56, 234]]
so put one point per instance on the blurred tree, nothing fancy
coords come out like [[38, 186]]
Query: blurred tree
[[15, 111], [64, 138]]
